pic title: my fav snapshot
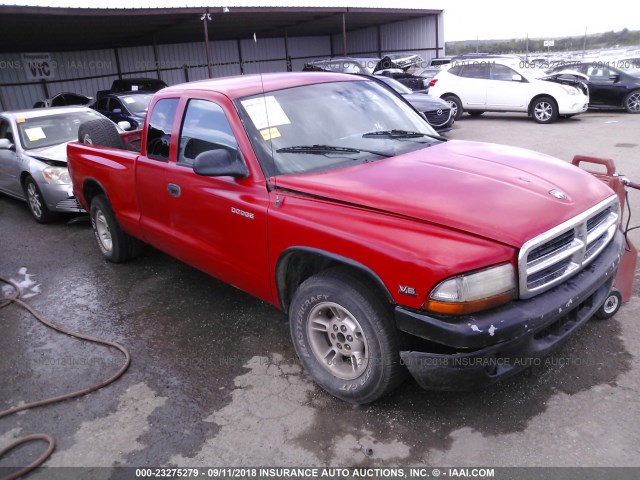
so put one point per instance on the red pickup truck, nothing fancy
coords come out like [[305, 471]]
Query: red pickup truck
[[391, 249]]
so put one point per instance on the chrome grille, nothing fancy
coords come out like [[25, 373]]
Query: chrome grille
[[438, 118], [552, 257]]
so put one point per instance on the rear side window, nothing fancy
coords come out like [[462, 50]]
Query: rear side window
[[205, 127], [159, 132], [475, 70], [455, 70]]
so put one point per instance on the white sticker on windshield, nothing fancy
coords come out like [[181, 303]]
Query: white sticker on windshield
[[134, 88], [129, 100], [34, 134], [265, 112]]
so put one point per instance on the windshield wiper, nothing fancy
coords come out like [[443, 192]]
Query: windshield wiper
[[399, 134], [324, 149]]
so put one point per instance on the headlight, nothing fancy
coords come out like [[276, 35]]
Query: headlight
[[56, 175], [570, 90], [473, 292]]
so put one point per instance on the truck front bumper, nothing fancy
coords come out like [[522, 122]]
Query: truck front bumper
[[501, 342]]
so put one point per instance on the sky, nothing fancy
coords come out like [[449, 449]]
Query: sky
[[500, 19]]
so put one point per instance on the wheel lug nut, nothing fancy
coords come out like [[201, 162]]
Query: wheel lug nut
[[333, 335], [339, 345], [335, 328], [343, 328], [350, 338], [347, 346]]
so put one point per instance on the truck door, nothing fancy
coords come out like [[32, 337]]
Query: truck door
[[151, 174], [219, 223]]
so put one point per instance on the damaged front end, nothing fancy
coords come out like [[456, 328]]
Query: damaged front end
[[570, 78], [476, 350]]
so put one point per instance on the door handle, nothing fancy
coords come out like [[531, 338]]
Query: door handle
[[173, 189]]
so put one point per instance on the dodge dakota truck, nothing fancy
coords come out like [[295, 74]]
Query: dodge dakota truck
[[391, 249]]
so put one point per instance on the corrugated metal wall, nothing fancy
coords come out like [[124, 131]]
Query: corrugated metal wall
[[86, 72]]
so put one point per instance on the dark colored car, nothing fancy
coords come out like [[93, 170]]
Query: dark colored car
[[133, 85], [436, 110], [371, 66], [609, 87], [64, 99], [124, 107]]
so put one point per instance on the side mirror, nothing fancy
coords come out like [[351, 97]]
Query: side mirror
[[124, 125], [220, 163], [5, 144], [516, 78]]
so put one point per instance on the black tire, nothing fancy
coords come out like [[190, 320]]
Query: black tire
[[632, 102], [356, 316], [100, 131], [475, 113], [37, 205], [544, 110], [610, 306], [456, 106], [115, 245]]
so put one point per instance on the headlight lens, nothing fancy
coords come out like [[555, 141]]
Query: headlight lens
[[570, 90], [56, 175], [473, 292]]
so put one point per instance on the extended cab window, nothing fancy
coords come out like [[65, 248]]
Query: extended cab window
[[159, 132], [204, 127]]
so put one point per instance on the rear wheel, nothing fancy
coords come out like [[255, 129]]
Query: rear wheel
[[345, 336], [632, 102], [37, 205], [544, 110], [100, 131], [115, 245], [455, 104]]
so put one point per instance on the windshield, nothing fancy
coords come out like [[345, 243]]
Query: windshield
[[328, 126], [137, 104], [52, 129]]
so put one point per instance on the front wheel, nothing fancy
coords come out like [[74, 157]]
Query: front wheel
[[344, 336], [37, 205], [610, 306], [455, 104], [632, 102], [115, 245], [544, 110]]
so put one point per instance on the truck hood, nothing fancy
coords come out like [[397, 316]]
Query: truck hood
[[57, 153], [494, 191]]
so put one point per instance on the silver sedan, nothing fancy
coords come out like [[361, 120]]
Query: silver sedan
[[33, 158]]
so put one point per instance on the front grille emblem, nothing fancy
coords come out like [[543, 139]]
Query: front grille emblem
[[558, 194]]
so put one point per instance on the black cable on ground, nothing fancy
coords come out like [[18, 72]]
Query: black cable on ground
[[15, 298]]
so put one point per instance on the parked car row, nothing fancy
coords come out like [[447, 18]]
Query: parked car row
[[501, 84]]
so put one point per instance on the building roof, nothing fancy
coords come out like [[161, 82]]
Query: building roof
[[62, 25]]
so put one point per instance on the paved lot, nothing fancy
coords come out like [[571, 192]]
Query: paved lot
[[214, 379]]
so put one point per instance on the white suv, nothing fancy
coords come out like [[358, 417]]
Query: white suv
[[500, 85]]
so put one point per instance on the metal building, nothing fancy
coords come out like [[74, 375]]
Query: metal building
[[46, 50]]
